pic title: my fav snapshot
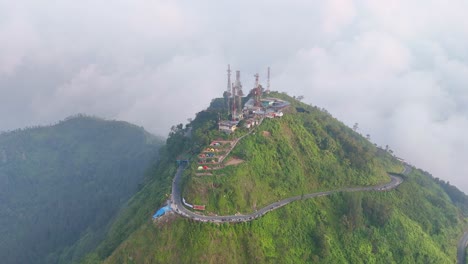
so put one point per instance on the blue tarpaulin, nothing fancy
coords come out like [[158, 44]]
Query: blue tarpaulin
[[161, 211]]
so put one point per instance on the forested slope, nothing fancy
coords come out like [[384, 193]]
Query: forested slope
[[305, 151], [60, 185], [414, 224]]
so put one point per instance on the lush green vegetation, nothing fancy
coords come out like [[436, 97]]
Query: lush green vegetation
[[458, 197], [61, 185], [300, 153], [414, 224], [141, 206], [305, 151]]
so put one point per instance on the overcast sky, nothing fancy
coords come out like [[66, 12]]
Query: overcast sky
[[399, 68]]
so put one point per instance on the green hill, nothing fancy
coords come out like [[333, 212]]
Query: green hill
[[305, 151], [60, 185]]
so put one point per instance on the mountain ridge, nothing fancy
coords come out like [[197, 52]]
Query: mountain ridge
[[63, 183], [368, 227]]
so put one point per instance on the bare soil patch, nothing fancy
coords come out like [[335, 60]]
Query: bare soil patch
[[234, 161], [266, 134]]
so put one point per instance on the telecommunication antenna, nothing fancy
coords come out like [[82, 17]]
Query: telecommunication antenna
[[268, 80], [229, 78], [228, 91]]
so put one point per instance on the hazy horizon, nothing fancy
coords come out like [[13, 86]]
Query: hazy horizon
[[399, 68]]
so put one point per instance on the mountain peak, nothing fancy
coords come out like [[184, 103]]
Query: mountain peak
[[303, 153]]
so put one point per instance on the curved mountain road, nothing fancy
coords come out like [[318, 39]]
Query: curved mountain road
[[179, 208], [462, 243]]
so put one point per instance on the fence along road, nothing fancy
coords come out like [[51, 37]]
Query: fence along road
[[178, 207], [176, 204]]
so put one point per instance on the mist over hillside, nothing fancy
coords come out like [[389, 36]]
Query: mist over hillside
[[60, 185]]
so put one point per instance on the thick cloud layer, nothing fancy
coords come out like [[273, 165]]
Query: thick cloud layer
[[398, 68]]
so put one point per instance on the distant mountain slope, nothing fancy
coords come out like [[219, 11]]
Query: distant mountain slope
[[304, 151], [65, 182]]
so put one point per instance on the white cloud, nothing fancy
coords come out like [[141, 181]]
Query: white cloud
[[337, 15], [17, 39], [398, 68]]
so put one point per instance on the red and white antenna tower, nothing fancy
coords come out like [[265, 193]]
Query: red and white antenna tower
[[229, 79], [268, 80], [236, 96], [257, 91], [228, 91]]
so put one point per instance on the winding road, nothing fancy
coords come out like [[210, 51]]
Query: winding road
[[462, 243], [179, 208]]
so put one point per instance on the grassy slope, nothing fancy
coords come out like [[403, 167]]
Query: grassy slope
[[306, 152], [301, 153], [285, 164], [421, 227], [139, 209]]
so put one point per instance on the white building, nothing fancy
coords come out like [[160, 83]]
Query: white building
[[228, 126]]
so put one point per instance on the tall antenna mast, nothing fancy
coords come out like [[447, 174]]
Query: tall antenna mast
[[257, 91], [236, 97], [229, 78], [238, 78], [256, 79], [227, 96], [268, 80]]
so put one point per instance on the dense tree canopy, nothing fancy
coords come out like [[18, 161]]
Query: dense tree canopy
[[61, 185]]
